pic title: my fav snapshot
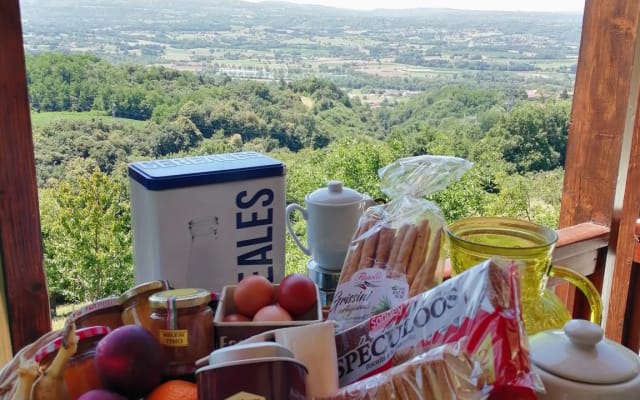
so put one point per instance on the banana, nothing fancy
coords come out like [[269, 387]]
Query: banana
[[27, 373], [50, 384]]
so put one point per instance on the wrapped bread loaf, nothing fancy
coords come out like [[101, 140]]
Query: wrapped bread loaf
[[412, 250], [395, 252]]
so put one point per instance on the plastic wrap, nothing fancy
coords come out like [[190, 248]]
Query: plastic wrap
[[396, 250], [477, 310]]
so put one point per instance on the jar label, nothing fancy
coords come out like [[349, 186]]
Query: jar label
[[245, 396], [173, 337]]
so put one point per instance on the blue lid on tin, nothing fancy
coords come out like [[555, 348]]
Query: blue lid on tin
[[203, 170]]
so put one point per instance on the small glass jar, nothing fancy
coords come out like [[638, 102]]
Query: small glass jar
[[135, 303], [104, 312], [182, 322], [80, 374]]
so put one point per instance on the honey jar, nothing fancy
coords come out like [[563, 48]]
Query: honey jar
[[104, 312], [135, 303], [80, 374], [182, 321]]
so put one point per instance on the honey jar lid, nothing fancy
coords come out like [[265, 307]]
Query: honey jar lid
[[180, 298], [84, 333], [144, 288], [99, 305]]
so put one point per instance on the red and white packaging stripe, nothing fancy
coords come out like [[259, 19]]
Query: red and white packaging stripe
[[55, 344], [98, 305]]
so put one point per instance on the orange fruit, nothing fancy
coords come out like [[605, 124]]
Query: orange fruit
[[174, 389]]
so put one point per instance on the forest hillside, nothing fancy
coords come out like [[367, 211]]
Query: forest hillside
[[92, 117]]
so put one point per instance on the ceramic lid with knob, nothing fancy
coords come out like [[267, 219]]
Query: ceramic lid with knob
[[334, 193], [580, 353]]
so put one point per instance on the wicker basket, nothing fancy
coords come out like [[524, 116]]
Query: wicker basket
[[9, 373]]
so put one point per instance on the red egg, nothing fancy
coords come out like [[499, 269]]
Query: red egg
[[272, 313], [297, 294], [252, 293]]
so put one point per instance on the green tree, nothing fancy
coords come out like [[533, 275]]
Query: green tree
[[86, 232], [534, 197], [179, 135], [534, 135]]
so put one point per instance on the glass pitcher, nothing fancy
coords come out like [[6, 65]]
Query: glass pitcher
[[473, 240]]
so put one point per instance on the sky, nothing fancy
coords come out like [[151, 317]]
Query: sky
[[504, 5]]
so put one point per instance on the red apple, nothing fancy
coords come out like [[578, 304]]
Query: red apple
[[130, 361]]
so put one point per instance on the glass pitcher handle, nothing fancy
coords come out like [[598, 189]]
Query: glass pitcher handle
[[586, 287]]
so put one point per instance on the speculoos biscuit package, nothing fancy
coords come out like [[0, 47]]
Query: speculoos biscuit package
[[462, 339]]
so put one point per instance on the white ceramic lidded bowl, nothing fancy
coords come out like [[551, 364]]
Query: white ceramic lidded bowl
[[577, 362]]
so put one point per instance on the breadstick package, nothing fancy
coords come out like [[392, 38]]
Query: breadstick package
[[396, 251]]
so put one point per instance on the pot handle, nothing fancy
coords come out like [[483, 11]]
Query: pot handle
[[291, 208], [585, 286]]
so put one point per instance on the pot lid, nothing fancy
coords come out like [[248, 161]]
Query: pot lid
[[334, 193], [249, 351], [579, 352]]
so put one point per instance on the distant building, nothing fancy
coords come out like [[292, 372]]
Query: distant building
[[533, 94]]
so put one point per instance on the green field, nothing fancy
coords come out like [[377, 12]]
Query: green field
[[62, 312], [39, 119]]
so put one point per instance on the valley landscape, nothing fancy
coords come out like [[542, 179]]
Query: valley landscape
[[333, 93], [376, 55]]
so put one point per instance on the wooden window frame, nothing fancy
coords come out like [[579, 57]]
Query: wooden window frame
[[26, 303], [602, 167], [600, 199]]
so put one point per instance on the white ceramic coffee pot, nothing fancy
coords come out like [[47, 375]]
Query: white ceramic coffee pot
[[577, 362], [331, 216]]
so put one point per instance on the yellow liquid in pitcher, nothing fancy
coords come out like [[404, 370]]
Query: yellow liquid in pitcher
[[505, 240], [473, 240], [531, 251]]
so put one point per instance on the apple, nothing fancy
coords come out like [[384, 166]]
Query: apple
[[130, 361]]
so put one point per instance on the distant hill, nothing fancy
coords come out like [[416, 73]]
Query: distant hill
[[413, 49], [189, 15]]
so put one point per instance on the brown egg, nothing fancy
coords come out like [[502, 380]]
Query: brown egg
[[272, 313], [252, 293], [236, 318]]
